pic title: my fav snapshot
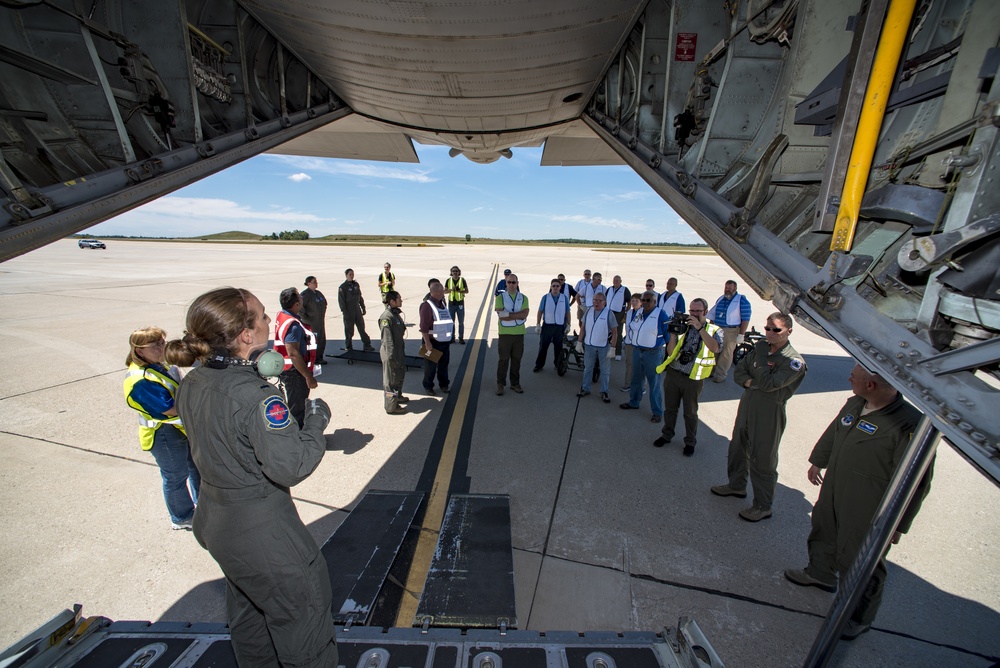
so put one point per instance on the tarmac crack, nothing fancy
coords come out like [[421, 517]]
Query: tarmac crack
[[68, 382], [745, 599]]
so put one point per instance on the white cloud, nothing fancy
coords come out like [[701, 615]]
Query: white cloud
[[192, 216], [353, 168], [300, 177], [624, 197]]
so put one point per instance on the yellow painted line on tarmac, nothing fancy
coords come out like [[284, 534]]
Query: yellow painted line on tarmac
[[437, 500]]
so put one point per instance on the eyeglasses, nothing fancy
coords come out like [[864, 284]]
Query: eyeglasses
[[645, 300], [511, 282], [776, 330]]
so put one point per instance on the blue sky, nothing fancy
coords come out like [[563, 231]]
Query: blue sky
[[509, 199]]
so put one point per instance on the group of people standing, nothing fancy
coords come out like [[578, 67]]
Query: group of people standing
[[231, 444]]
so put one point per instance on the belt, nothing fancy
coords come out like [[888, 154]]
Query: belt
[[236, 495], [648, 349], [729, 326]]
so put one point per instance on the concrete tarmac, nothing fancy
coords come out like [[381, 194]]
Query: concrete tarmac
[[609, 533]]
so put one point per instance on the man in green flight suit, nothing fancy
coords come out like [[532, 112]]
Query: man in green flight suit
[[860, 451], [392, 353], [770, 375]]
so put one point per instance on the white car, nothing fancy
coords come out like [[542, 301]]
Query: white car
[[91, 243]]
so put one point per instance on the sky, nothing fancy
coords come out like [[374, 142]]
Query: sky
[[441, 196]]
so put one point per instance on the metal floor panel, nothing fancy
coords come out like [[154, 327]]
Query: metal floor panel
[[360, 552], [471, 578]]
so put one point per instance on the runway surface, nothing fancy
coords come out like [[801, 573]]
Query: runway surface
[[609, 533]]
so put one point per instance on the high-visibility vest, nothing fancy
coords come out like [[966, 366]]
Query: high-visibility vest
[[455, 288], [443, 329], [597, 329], [516, 304], [616, 298], [147, 423], [282, 322], [554, 308], [643, 336], [389, 280], [704, 361], [669, 304]]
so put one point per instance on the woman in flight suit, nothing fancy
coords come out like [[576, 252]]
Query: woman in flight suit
[[250, 451]]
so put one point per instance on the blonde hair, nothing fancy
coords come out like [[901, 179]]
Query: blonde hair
[[214, 320], [142, 338]]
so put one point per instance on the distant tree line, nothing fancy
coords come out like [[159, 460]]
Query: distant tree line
[[294, 235]]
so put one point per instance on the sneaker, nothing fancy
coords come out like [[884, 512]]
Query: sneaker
[[618, 358], [688, 450], [726, 490], [186, 525], [660, 442], [624, 388], [800, 577], [755, 514], [499, 389], [517, 388], [627, 406], [605, 398], [656, 418], [854, 629], [398, 410], [583, 393]]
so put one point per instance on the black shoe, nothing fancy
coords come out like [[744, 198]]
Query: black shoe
[[369, 349], [583, 393], [403, 399], [445, 389], [854, 629], [429, 390], [688, 450], [462, 341], [660, 442], [802, 578], [656, 418], [627, 406], [537, 369], [605, 398]]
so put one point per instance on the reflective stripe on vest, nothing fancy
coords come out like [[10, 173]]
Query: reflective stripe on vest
[[555, 309], [147, 423], [597, 330], [455, 288], [630, 318], [645, 337], [281, 324], [515, 306], [389, 281], [444, 327], [704, 361]]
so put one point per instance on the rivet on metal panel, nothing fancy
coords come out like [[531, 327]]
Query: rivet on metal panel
[[654, 161], [966, 427], [904, 344], [978, 437], [951, 416], [856, 339], [900, 356]]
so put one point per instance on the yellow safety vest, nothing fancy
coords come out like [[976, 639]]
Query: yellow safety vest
[[147, 423], [703, 361], [455, 288], [388, 279]]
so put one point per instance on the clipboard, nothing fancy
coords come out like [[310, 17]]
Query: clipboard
[[431, 355]]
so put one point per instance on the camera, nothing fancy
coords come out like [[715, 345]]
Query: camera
[[678, 323]]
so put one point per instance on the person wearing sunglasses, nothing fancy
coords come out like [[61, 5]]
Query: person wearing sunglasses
[[769, 374], [457, 287], [512, 310], [649, 330]]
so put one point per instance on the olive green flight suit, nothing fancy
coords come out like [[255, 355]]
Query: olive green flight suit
[[249, 451], [393, 356], [760, 418], [860, 454]]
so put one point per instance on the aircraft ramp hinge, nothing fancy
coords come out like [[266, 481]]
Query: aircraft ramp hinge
[[738, 226], [23, 211], [144, 170]]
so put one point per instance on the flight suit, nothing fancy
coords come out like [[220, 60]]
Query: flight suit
[[393, 356], [313, 314], [352, 305], [860, 454], [249, 451], [760, 418]]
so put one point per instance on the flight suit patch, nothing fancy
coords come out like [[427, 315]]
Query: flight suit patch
[[847, 420], [867, 427], [795, 364], [276, 413]]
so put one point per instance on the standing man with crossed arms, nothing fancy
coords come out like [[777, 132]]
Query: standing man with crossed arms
[[553, 314], [732, 313]]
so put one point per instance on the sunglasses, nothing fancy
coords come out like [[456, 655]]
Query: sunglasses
[[776, 330], [646, 300], [511, 282]]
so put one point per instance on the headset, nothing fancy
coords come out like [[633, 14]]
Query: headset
[[268, 363]]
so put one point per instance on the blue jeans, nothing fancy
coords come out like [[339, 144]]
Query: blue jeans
[[457, 310], [644, 363], [596, 355], [173, 455]]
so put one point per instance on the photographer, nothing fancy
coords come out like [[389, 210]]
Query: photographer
[[691, 350]]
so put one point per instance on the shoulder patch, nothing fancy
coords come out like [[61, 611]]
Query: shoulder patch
[[867, 427], [796, 364], [276, 413], [847, 420]]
